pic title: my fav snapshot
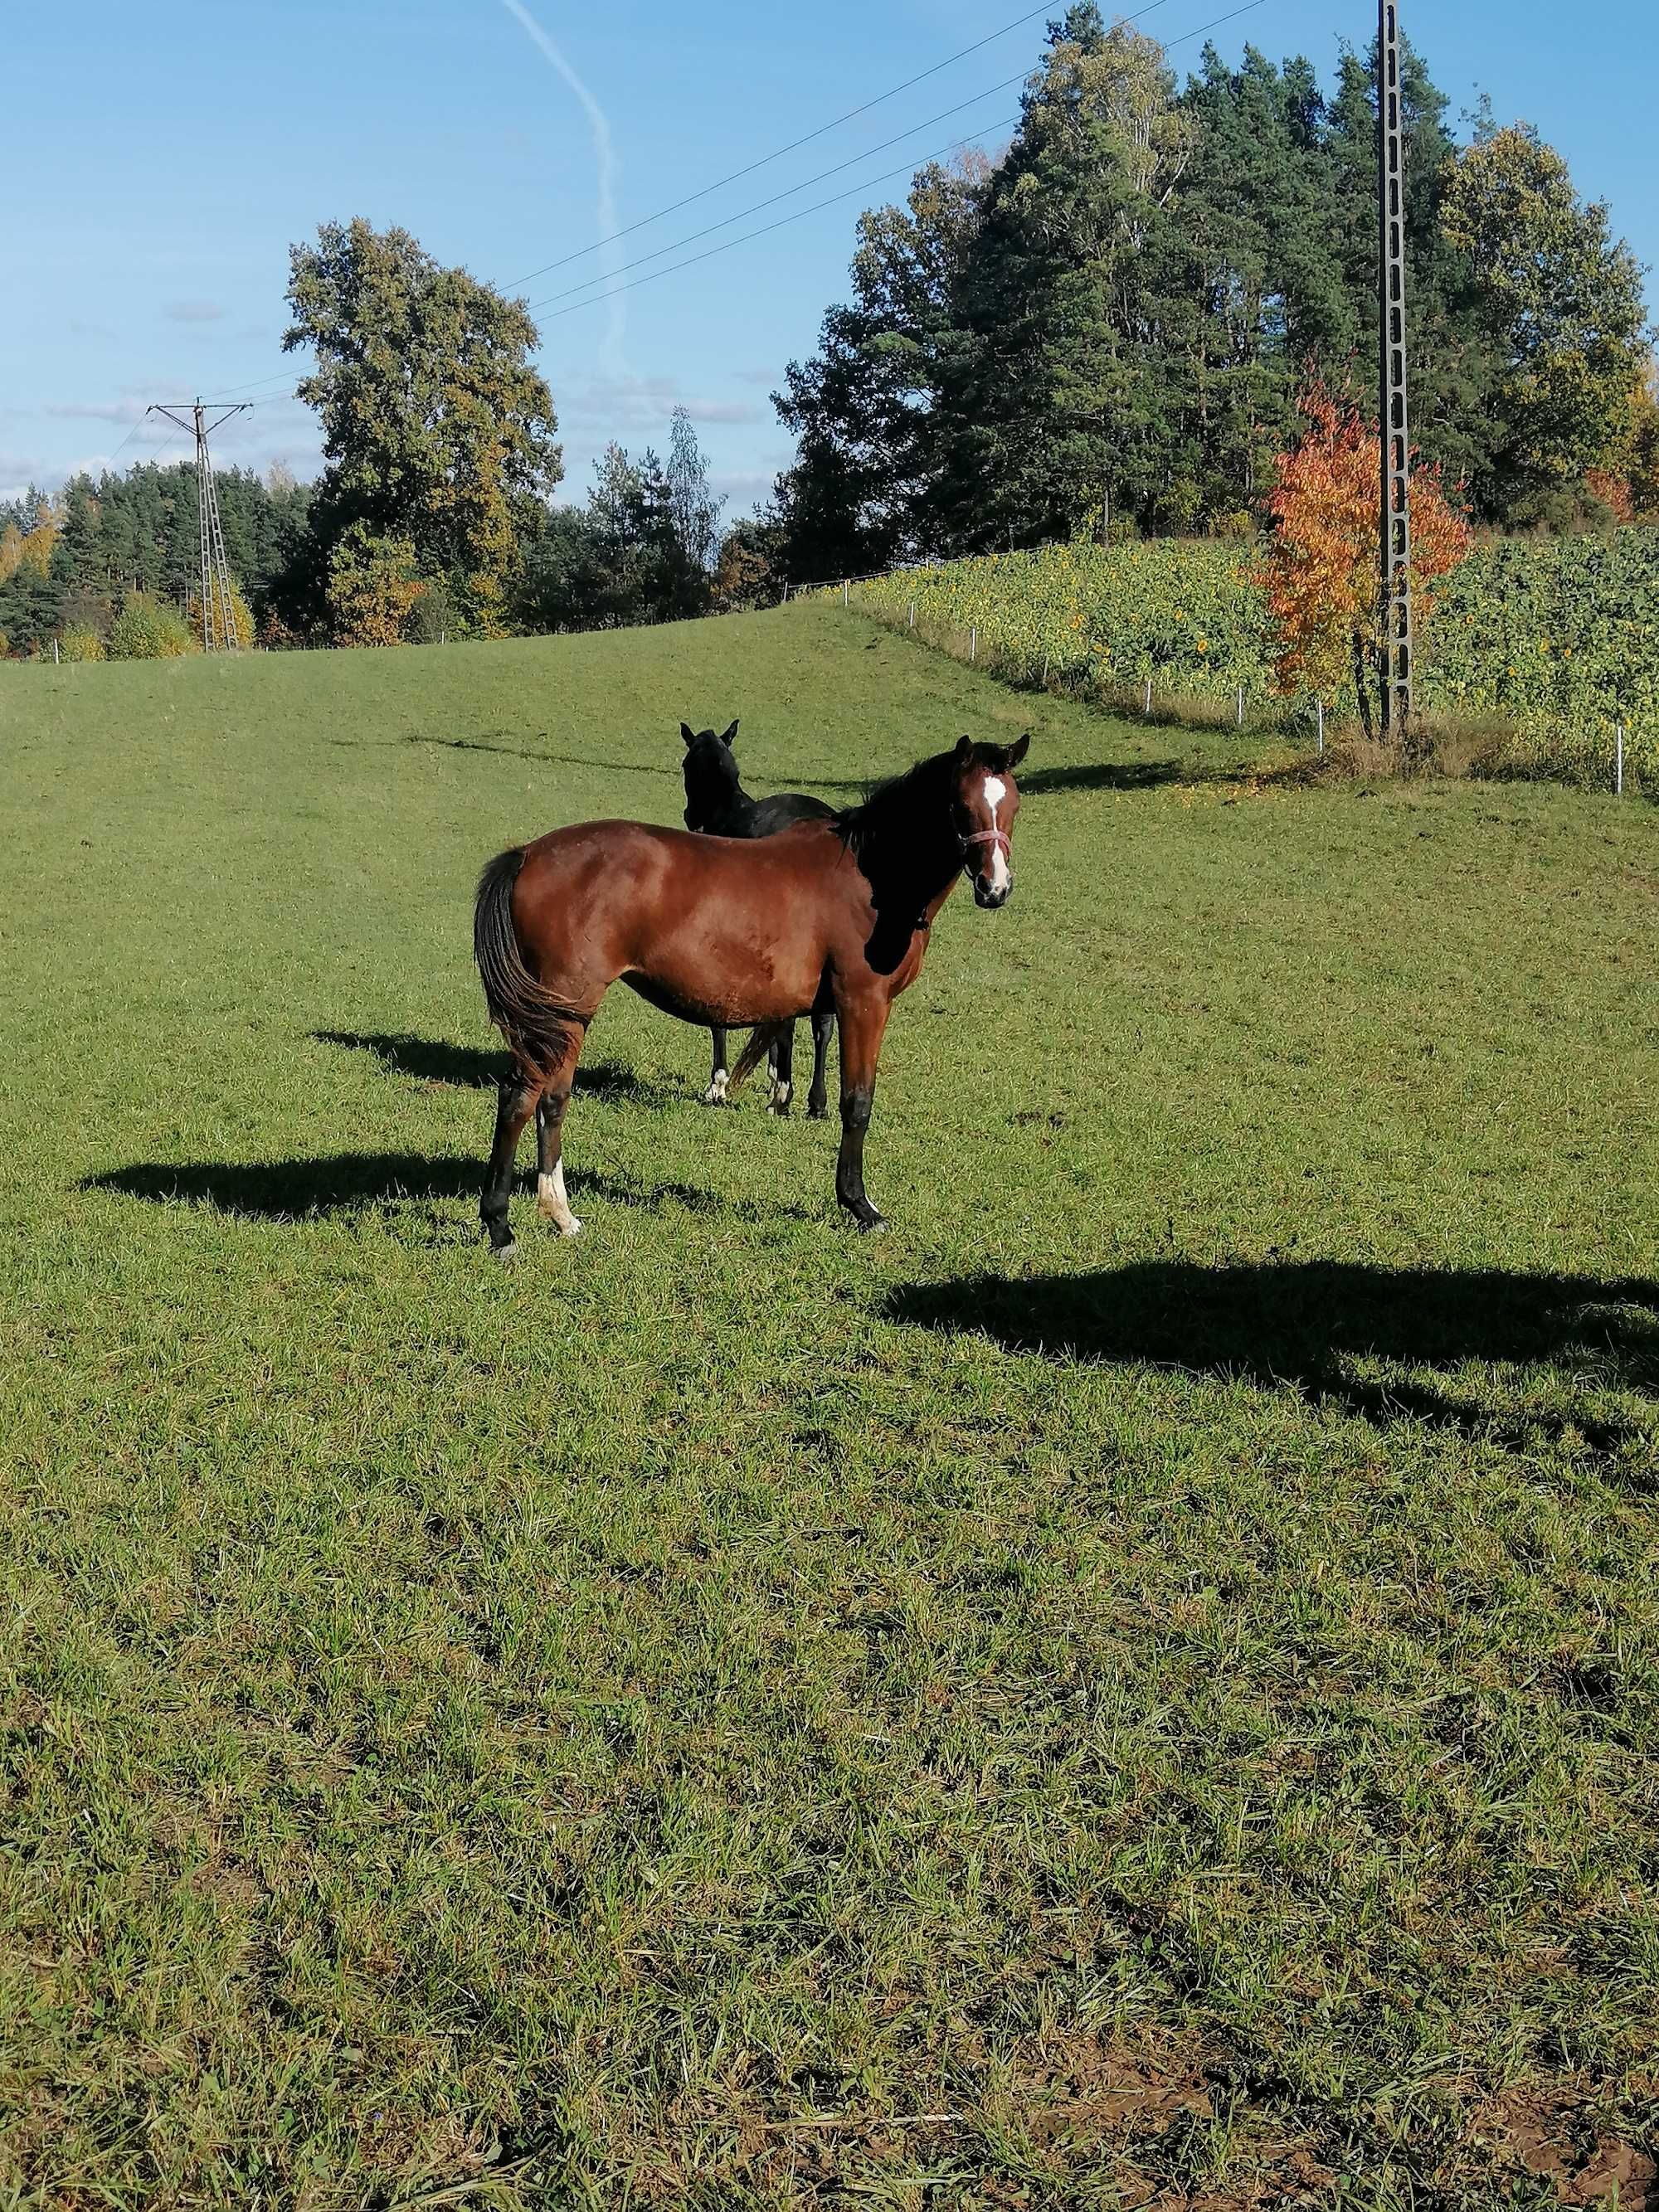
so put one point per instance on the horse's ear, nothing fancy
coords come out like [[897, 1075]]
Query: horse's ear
[[1018, 750], [688, 733], [965, 751], [730, 734]]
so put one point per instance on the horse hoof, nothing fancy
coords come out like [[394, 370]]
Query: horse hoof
[[716, 1094], [504, 1255], [876, 1221], [817, 1111]]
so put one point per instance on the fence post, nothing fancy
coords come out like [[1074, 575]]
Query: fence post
[[973, 641], [1149, 695], [1241, 706], [1045, 671], [54, 653], [913, 614], [786, 595], [1319, 705], [845, 591], [1619, 763]]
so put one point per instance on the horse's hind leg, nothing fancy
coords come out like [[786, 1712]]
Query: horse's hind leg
[[551, 1200], [519, 1093], [817, 1098], [783, 1068], [721, 1073]]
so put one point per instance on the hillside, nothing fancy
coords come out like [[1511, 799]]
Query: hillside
[[1137, 1685]]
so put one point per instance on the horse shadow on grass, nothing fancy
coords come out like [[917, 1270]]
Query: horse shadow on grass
[[1303, 1323], [1105, 776], [467, 1068], [367, 1182]]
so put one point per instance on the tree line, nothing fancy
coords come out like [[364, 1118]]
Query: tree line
[[1107, 330], [1113, 322]]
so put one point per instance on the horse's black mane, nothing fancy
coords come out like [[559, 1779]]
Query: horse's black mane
[[912, 797]]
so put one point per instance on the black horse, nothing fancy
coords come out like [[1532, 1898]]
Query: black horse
[[717, 804]]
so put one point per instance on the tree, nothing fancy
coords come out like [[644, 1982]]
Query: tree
[[436, 429], [1319, 574], [1563, 304], [373, 582], [1644, 444], [1056, 388], [694, 517], [150, 630], [746, 575], [863, 408]]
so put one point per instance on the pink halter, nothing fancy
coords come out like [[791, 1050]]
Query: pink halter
[[989, 838]]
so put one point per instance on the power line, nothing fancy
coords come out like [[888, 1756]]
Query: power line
[[794, 145], [612, 288], [834, 200], [806, 184]]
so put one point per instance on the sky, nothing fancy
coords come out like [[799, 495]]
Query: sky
[[159, 167]]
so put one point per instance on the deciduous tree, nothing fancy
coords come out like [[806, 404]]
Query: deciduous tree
[[1320, 573], [436, 428]]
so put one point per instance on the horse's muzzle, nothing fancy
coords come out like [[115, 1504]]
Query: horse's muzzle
[[990, 896]]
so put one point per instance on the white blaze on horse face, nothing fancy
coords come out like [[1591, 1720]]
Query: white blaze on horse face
[[995, 792]]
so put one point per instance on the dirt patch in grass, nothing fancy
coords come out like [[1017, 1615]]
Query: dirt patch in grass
[[1564, 2137]]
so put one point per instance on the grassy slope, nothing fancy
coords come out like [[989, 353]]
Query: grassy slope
[[1127, 1684]]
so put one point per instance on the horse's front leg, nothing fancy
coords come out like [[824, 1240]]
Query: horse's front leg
[[721, 1074], [863, 1020], [783, 1068]]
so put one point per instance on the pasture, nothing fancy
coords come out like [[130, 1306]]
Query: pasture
[[1135, 1688]]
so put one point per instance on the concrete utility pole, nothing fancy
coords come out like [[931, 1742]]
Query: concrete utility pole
[[1396, 523], [218, 625]]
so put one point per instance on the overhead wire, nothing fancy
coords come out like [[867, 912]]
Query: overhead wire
[[795, 144], [818, 206], [610, 288]]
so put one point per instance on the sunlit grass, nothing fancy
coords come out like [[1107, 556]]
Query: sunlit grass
[[1138, 1686]]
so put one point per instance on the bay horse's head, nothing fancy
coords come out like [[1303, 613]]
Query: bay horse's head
[[711, 775], [984, 804]]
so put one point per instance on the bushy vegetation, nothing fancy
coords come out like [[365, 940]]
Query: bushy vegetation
[[1559, 637], [147, 629]]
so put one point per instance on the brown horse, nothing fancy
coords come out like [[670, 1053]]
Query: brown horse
[[827, 914]]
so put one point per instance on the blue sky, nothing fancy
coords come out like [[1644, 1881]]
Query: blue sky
[[159, 167]]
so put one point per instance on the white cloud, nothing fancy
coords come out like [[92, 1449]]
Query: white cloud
[[633, 404], [611, 350]]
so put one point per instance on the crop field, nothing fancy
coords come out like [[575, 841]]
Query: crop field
[[1557, 640], [1136, 1687]]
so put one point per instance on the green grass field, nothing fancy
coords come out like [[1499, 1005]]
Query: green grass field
[[1137, 1688]]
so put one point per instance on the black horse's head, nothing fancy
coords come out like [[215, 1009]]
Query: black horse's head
[[984, 802], [712, 789]]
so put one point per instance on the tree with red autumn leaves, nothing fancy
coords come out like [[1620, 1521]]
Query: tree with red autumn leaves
[[1320, 573]]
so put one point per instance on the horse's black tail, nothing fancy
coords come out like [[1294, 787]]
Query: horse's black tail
[[754, 1052], [536, 1024]]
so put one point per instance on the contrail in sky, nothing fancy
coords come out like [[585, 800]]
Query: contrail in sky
[[611, 350]]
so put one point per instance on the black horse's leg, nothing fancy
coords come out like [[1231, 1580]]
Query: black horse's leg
[[817, 1098], [721, 1075], [519, 1093], [862, 1022], [783, 1068], [550, 1201]]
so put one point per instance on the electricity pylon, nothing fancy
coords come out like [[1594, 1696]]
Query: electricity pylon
[[1396, 509], [218, 623]]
